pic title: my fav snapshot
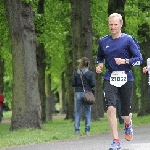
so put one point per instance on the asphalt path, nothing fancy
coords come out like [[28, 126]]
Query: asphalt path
[[141, 141]]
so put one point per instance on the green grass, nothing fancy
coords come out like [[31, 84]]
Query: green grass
[[58, 129], [7, 114]]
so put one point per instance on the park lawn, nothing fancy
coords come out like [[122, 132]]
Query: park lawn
[[58, 129]]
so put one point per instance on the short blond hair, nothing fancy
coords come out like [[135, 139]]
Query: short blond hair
[[116, 15]]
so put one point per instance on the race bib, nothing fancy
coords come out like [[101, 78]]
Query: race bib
[[118, 78]]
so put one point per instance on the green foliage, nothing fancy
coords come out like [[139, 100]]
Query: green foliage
[[137, 13], [56, 29], [8, 90], [5, 52], [131, 18], [99, 20], [55, 26]]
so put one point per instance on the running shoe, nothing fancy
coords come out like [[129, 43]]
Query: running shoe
[[129, 132], [115, 146]]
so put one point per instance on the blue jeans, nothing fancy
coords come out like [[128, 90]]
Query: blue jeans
[[79, 102]]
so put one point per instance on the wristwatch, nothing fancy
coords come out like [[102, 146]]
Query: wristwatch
[[126, 61]]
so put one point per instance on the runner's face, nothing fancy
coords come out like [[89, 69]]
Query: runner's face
[[115, 25]]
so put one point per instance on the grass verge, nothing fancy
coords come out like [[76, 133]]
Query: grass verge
[[58, 129]]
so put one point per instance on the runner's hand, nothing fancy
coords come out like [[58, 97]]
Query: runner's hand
[[145, 69], [119, 61], [99, 69]]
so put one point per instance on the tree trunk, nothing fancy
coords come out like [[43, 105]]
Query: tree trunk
[[99, 96], [75, 25], [62, 91], [81, 22], [69, 96], [1, 75], [26, 105], [48, 110], [86, 31], [41, 64]]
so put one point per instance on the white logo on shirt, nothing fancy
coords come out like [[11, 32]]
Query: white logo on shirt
[[136, 63], [107, 46]]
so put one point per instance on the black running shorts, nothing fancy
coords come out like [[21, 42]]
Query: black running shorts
[[124, 93]]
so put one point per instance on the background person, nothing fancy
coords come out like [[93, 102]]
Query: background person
[[120, 52], [145, 70], [1, 106], [89, 82]]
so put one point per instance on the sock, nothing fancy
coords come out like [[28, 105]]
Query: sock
[[117, 140], [127, 124]]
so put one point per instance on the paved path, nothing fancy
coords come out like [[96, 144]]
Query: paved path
[[141, 141]]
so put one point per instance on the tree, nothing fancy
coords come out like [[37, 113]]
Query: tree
[[26, 109], [1, 74], [99, 22], [40, 54], [144, 35], [1, 52], [5, 57], [81, 24], [56, 29]]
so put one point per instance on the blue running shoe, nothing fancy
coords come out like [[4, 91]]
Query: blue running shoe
[[115, 146], [129, 132]]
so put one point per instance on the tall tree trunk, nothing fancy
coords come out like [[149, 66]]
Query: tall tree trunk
[[75, 25], [86, 46], [62, 100], [86, 31], [48, 110], [1, 75], [69, 96], [26, 105], [81, 22], [41, 63], [99, 96]]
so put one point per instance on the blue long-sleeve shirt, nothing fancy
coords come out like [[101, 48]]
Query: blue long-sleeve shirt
[[125, 47]]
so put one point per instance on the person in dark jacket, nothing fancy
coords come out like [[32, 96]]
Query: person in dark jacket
[[1, 106], [145, 70], [89, 82]]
